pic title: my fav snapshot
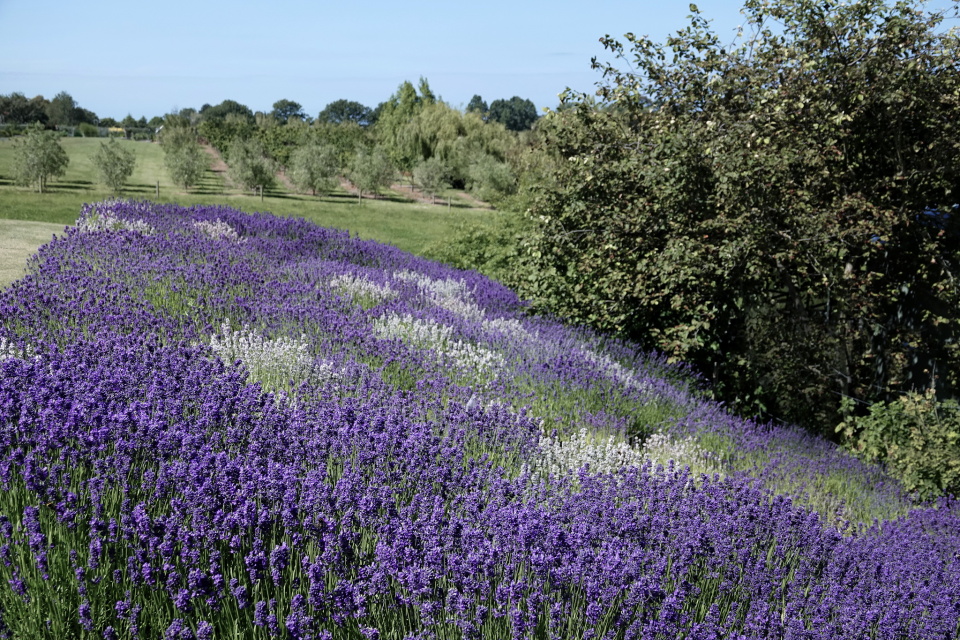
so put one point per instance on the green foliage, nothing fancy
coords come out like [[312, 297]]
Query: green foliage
[[17, 109], [371, 171], [225, 109], [281, 141], [61, 110], [477, 105], [395, 115], [249, 166], [764, 211], [490, 246], [283, 110], [185, 159], [343, 111], [490, 180], [516, 114], [345, 138], [114, 165], [433, 176], [314, 168], [38, 157], [88, 130], [916, 437]]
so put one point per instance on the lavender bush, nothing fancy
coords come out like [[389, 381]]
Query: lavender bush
[[216, 424]]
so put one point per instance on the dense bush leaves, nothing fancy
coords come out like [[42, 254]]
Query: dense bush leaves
[[781, 214]]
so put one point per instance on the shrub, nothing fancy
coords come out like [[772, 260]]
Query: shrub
[[917, 437]]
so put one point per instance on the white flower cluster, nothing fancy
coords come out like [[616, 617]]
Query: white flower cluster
[[274, 363], [448, 293], [614, 371], [602, 454], [428, 334], [363, 290], [9, 350], [509, 328], [217, 230], [606, 454], [102, 218], [661, 448]]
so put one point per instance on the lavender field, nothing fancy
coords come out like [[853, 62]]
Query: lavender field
[[216, 424]]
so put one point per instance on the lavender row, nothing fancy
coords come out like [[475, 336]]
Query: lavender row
[[219, 424]]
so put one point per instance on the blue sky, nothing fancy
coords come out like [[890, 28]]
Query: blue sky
[[116, 57]]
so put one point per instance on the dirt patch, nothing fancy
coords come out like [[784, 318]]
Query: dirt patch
[[217, 164]]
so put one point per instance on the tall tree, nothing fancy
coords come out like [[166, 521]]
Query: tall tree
[[780, 213], [16, 109], [283, 110], [114, 164], [249, 165], [38, 157], [340, 111], [225, 108], [62, 109], [516, 114], [371, 171], [477, 105], [395, 114], [314, 168]]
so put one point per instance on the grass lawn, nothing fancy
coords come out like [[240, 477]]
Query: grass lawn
[[394, 218]]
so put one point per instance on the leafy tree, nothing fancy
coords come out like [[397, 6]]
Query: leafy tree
[[490, 179], [283, 110], [477, 105], [433, 175], [345, 137], [314, 168], [185, 159], [341, 111], [187, 164], [371, 171], [516, 114], [225, 108], [38, 157], [62, 109], [395, 115], [16, 109], [780, 213], [114, 164], [280, 141], [249, 165]]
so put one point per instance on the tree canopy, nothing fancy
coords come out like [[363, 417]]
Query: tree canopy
[[38, 157], [283, 110], [342, 111], [516, 114], [780, 213]]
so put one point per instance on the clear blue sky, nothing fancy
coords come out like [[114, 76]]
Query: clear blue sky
[[148, 59]]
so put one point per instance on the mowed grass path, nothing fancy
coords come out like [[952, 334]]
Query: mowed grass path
[[393, 219]]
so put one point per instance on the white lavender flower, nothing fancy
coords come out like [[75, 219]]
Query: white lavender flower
[[512, 329], [8, 350], [448, 294], [102, 217], [277, 363], [600, 454], [608, 454], [660, 448], [613, 370], [362, 290], [438, 338], [217, 230]]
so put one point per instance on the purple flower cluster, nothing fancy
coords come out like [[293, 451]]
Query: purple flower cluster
[[152, 489]]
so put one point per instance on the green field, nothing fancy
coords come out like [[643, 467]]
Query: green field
[[393, 218]]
